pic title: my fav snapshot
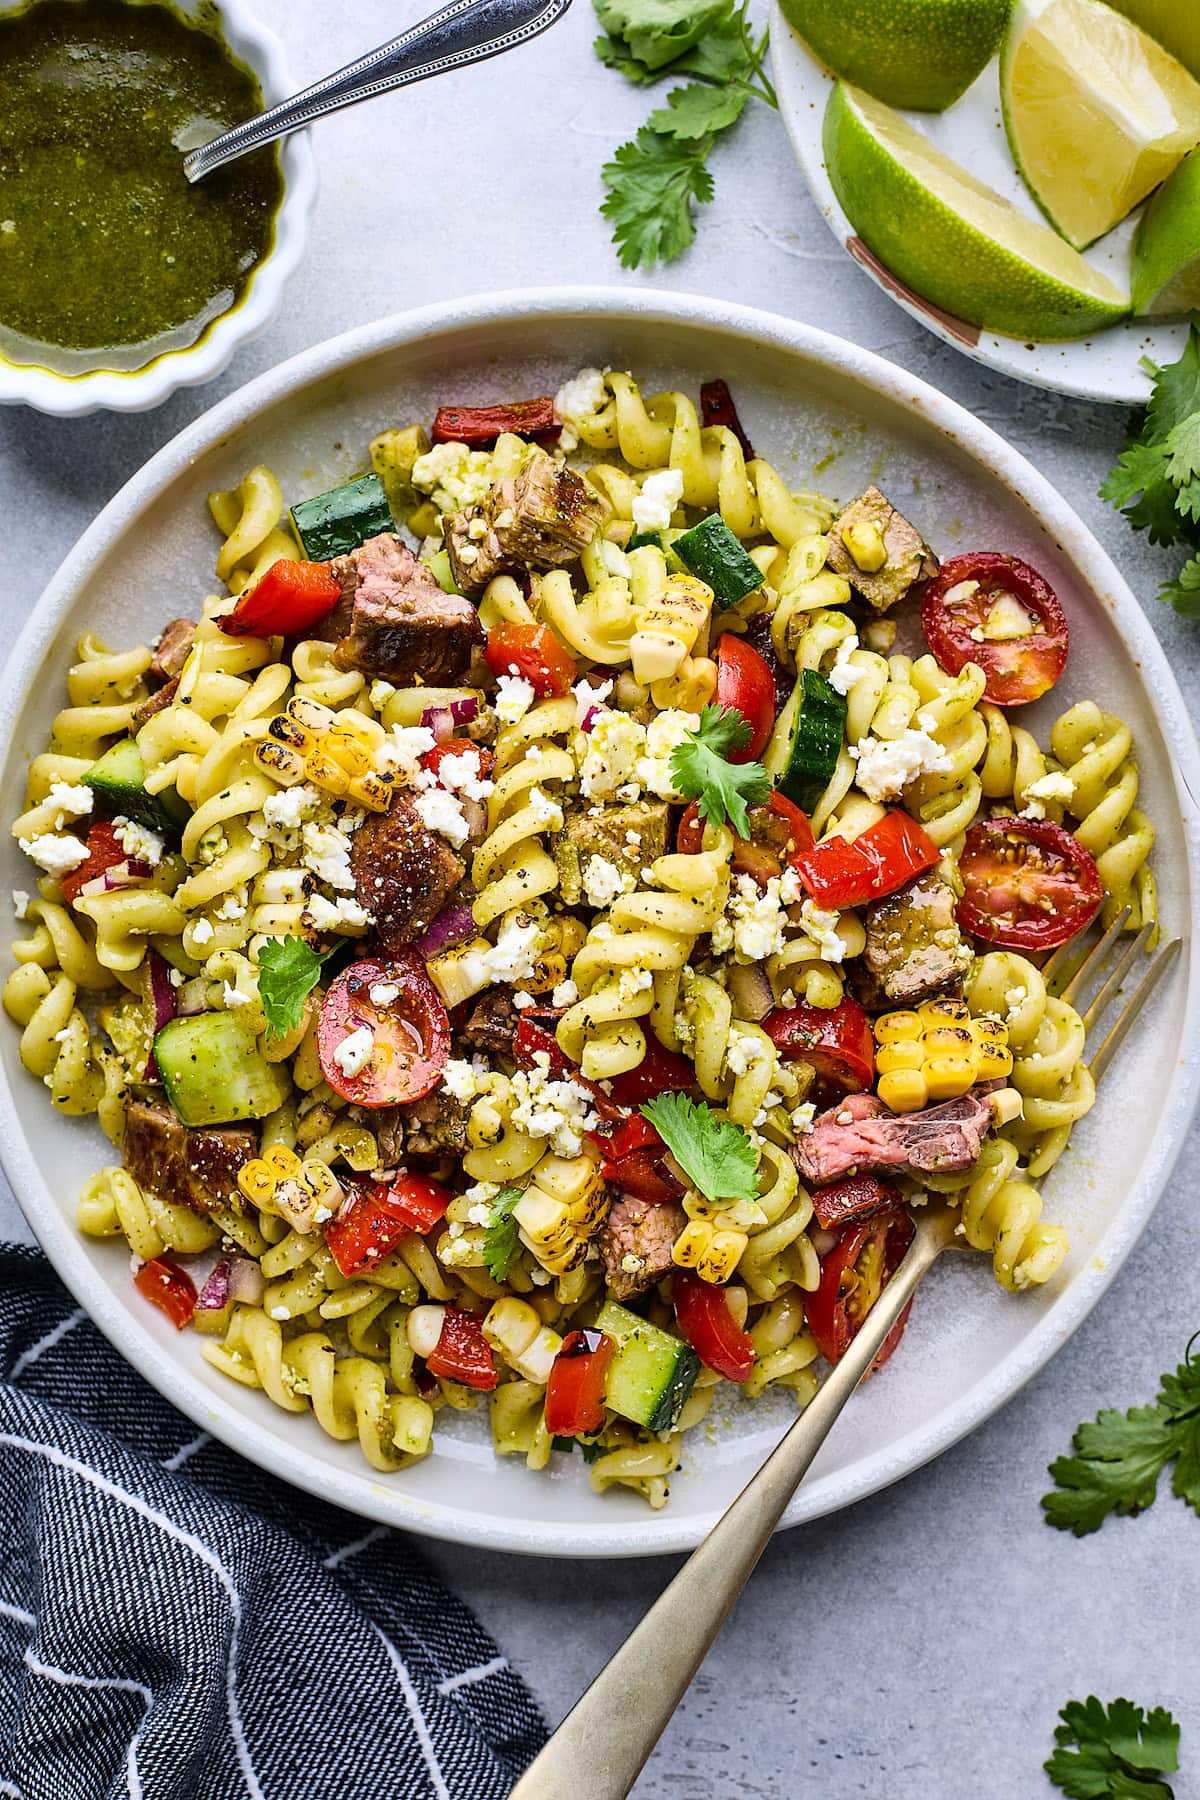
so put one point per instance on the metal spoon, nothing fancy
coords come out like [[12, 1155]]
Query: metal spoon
[[466, 31]]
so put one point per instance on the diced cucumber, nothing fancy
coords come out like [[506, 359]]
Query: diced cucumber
[[214, 1072], [118, 781], [438, 564], [334, 523], [652, 1371], [816, 741], [711, 552], [640, 539]]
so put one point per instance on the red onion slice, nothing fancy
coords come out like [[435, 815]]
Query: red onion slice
[[439, 720], [453, 926], [463, 711], [121, 875], [589, 718], [163, 1000]]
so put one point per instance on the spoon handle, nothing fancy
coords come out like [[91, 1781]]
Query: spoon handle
[[465, 31]]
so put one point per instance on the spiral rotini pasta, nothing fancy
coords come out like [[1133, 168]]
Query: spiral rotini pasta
[[494, 993]]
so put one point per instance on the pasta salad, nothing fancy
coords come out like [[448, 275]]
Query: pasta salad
[[535, 935]]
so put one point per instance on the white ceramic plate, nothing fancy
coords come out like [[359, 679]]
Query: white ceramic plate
[[804, 396], [1103, 367]]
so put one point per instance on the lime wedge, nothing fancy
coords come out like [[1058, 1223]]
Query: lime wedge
[[952, 240], [1166, 250], [1175, 23], [1097, 113], [919, 53]]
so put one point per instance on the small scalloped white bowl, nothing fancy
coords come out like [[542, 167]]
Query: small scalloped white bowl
[[137, 390]]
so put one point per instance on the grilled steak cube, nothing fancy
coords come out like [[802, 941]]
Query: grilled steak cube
[[195, 1167], [907, 557], [400, 622], [914, 947], [435, 1124], [860, 1136], [540, 519], [635, 1241], [403, 874], [156, 702], [626, 837], [491, 1023], [172, 649]]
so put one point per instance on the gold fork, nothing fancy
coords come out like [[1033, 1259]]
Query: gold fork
[[602, 1745]]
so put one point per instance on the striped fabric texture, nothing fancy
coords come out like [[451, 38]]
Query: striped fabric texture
[[175, 1625]]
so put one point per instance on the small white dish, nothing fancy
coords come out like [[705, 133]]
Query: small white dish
[[137, 390], [805, 397], [1106, 366]]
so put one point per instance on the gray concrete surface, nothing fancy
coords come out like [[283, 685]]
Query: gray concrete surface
[[918, 1646]]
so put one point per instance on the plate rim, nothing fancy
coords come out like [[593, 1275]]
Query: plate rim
[[790, 52], [366, 1493]]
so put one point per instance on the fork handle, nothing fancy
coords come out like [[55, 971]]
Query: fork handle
[[466, 31], [603, 1743]]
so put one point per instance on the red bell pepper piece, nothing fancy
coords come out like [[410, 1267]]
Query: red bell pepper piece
[[660, 1071], [840, 873], [462, 1353], [702, 1312], [851, 1201], [287, 598], [104, 851], [167, 1287], [836, 1040], [634, 1162], [379, 1215], [534, 652], [575, 1390], [482, 425], [853, 1275], [433, 759], [717, 408], [531, 1041]]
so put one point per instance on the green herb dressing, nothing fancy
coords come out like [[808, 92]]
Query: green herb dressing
[[108, 257]]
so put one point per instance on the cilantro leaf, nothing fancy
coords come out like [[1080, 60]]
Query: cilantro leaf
[[614, 55], [288, 971], [1182, 448], [1103, 1753], [697, 110], [652, 184], [1156, 480], [1176, 393], [502, 1239], [1184, 592], [1139, 485], [655, 32], [716, 1156], [700, 769]]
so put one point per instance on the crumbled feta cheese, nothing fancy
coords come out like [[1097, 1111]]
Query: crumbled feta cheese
[[587, 696], [463, 774], [468, 554], [610, 755], [1015, 998], [442, 812], [326, 851], [57, 855], [558, 1110], [770, 1101], [138, 841], [379, 693], [202, 931], [603, 881], [565, 994], [289, 807], [233, 907], [342, 914], [384, 992], [845, 1117], [844, 674], [631, 983], [453, 476], [513, 957], [660, 494], [1035, 810], [802, 1117], [401, 751], [632, 1265], [664, 734], [1056, 784], [70, 801], [885, 766], [20, 901], [580, 398], [463, 1080], [355, 1051], [821, 928], [234, 997], [514, 697], [523, 999], [754, 921], [547, 813], [743, 1053]]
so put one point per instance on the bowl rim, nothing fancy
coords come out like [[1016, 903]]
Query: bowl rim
[[138, 390], [365, 1493]]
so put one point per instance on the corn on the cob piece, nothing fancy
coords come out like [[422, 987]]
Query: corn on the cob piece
[[937, 1053], [668, 628], [560, 1210], [333, 751], [712, 1251], [302, 1192], [516, 1332]]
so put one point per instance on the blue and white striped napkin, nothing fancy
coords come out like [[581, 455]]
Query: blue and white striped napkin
[[175, 1625]]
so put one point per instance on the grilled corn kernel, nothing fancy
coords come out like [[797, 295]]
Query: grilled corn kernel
[[280, 762], [423, 1328], [283, 1160], [286, 731], [257, 1181], [937, 1053], [310, 715], [713, 1254], [516, 1331], [864, 541], [371, 791], [324, 773]]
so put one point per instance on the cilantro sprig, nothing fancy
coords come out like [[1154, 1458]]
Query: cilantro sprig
[[716, 1156], [702, 772], [1114, 1752], [1119, 1456], [288, 971], [502, 1238], [655, 182], [1156, 480]]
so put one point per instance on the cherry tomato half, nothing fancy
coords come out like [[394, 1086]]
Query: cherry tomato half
[[853, 1275], [779, 833], [289, 597], [433, 759], [1027, 884], [409, 1029], [462, 1353], [575, 1390], [851, 1201], [534, 652], [167, 1287], [382, 1213], [745, 682], [836, 1040], [996, 611], [704, 1317], [104, 851]]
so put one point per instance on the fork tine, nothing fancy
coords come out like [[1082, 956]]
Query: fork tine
[[1150, 980], [1093, 960], [1117, 977]]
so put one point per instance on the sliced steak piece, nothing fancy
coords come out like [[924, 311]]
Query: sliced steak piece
[[540, 519], [172, 648], [436, 1122], [195, 1167], [401, 624], [908, 558], [387, 1122], [403, 874], [153, 703], [914, 947], [491, 1023], [860, 1136], [635, 1241], [606, 832]]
